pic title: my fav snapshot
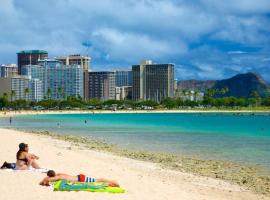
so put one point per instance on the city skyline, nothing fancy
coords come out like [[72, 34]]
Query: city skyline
[[205, 39]]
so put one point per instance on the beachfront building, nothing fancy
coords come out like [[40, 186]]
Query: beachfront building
[[61, 80], [15, 87], [123, 93], [152, 81], [30, 57], [7, 70], [102, 85], [85, 63], [58, 80], [36, 90], [123, 78], [36, 75]]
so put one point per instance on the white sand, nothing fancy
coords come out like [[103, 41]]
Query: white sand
[[33, 112], [142, 180]]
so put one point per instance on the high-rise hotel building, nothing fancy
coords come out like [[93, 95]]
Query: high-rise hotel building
[[102, 85], [152, 81], [58, 80], [30, 57], [85, 63]]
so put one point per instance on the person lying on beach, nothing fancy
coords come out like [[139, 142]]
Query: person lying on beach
[[26, 160], [52, 176]]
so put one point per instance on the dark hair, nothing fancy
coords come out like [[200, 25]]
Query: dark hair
[[22, 146], [51, 173]]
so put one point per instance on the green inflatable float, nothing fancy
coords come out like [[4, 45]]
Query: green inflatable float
[[63, 185]]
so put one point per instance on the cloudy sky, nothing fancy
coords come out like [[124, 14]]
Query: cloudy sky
[[205, 39]]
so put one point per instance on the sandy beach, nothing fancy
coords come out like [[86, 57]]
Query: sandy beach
[[33, 112], [142, 180]]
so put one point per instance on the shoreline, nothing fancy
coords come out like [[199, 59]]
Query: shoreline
[[248, 176], [33, 112]]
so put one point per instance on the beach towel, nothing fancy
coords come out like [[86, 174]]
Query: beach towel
[[64, 185], [41, 170]]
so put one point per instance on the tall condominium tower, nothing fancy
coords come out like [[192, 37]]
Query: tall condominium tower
[[58, 80], [84, 62], [61, 80], [123, 78], [30, 57], [102, 85], [152, 81]]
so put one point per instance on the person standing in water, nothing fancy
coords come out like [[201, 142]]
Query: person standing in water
[[10, 121]]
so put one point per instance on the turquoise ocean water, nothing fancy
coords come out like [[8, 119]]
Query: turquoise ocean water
[[236, 137]]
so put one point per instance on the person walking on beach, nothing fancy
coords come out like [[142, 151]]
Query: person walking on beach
[[52, 176], [26, 160]]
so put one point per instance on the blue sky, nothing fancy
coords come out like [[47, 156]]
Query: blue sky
[[205, 39]]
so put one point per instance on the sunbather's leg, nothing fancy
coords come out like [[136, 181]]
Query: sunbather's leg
[[4, 165], [34, 164], [110, 182]]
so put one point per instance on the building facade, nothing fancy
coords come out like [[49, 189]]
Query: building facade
[[15, 87], [102, 85], [153, 82], [58, 80], [30, 57], [36, 74], [8, 70], [36, 89], [123, 93], [123, 78], [85, 63], [61, 80]]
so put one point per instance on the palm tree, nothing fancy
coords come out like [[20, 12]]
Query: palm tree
[[211, 92], [12, 94], [256, 95], [61, 92], [49, 93], [26, 93], [196, 95], [5, 95]]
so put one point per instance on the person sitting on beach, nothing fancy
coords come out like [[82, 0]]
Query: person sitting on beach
[[26, 160], [52, 176]]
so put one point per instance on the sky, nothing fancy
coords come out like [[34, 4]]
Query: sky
[[205, 39]]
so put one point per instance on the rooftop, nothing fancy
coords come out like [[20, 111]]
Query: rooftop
[[33, 52]]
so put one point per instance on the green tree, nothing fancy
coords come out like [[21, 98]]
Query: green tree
[[256, 96], [169, 103], [61, 93], [26, 93], [49, 93], [12, 94], [5, 95]]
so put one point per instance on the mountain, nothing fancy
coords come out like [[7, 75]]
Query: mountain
[[195, 85], [241, 85]]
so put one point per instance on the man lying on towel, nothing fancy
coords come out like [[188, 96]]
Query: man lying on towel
[[52, 176]]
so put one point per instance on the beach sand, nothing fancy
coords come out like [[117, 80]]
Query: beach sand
[[142, 180], [33, 112]]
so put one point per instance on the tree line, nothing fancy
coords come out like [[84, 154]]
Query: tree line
[[168, 103]]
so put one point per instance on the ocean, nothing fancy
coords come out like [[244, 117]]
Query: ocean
[[237, 137]]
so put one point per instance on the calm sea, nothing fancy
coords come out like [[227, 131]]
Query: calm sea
[[236, 137]]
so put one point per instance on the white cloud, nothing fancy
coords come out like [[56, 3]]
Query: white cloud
[[125, 31]]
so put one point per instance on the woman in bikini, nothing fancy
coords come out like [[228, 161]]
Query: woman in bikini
[[25, 159]]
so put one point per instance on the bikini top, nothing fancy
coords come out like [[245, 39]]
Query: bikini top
[[18, 154]]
